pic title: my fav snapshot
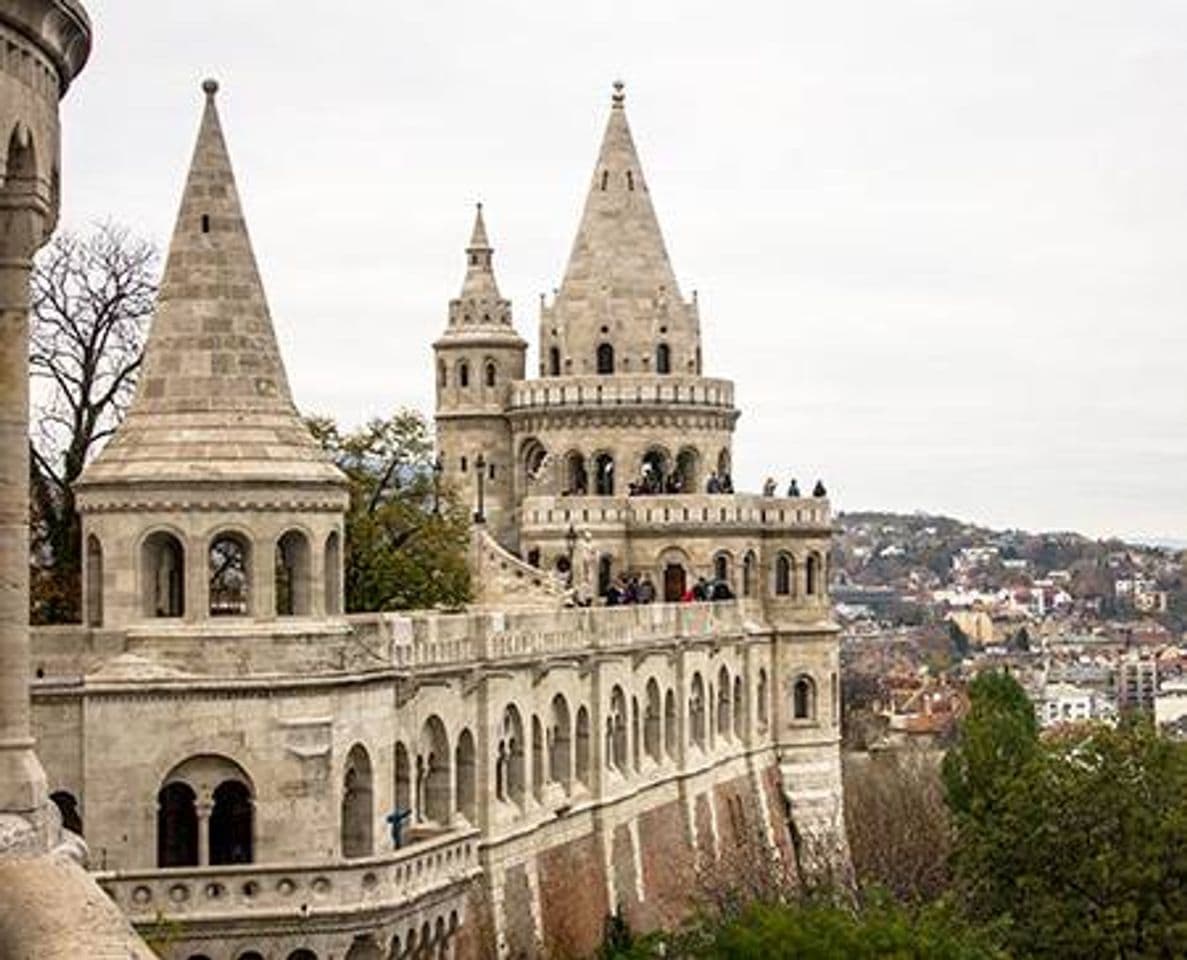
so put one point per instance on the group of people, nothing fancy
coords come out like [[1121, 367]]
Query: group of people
[[719, 482], [627, 590], [652, 482], [707, 590], [793, 488]]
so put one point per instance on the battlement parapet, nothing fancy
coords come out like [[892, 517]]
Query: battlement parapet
[[620, 390], [549, 513]]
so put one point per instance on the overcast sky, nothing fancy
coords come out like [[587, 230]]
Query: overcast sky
[[940, 246]]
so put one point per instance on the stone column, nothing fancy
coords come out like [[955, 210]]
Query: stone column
[[203, 809], [23, 216]]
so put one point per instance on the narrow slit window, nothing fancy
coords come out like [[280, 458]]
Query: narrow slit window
[[630, 180], [206, 223], [605, 178]]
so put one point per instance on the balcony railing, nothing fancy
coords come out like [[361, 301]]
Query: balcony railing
[[301, 890], [675, 510], [622, 390]]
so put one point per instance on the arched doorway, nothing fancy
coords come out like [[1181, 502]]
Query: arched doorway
[[687, 471], [663, 358], [576, 478], [605, 358], [675, 581], [604, 475], [357, 813], [231, 824]]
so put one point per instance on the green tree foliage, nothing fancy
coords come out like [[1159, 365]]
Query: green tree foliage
[[878, 929], [1079, 843], [996, 739], [406, 541]]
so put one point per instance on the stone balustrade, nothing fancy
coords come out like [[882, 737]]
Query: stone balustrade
[[431, 640], [300, 890], [621, 390], [731, 511]]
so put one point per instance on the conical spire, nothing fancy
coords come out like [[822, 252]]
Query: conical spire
[[619, 250], [479, 309], [480, 273], [213, 399]]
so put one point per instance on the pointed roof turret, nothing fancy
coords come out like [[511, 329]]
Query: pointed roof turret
[[213, 398], [619, 294], [619, 250], [479, 308]]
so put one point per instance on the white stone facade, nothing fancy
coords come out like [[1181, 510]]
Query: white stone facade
[[232, 745]]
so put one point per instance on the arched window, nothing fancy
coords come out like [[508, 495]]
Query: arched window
[[333, 574], [435, 802], [357, 808], [783, 575], [537, 758], [663, 358], [534, 456], [739, 708], [467, 777], [605, 574], [403, 779], [723, 463], [162, 576], [652, 721], [748, 564], [559, 743], [812, 575], [636, 738], [231, 824], [177, 826], [605, 179], [292, 575], [670, 724], [490, 373], [68, 809], [654, 470], [582, 746], [511, 755], [302, 955], [230, 575], [803, 699], [630, 180], [687, 469], [554, 361], [578, 479], [20, 169], [605, 358], [696, 710], [616, 731], [442, 374], [761, 697], [721, 567], [463, 374], [723, 703], [604, 475], [94, 592]]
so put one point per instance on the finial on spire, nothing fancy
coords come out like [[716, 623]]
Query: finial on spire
[[210, 87], [618, 97]]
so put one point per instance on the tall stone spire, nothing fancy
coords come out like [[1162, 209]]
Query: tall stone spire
[[479, 307], [480, 274], [619, 286], [213, 399], [619, 247]]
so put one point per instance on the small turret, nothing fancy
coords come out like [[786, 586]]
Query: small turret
[[478, 357]]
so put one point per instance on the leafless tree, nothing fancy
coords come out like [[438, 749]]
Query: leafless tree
[[91, 297]]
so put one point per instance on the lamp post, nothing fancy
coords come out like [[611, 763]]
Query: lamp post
[[438, 469], [571, 541], [480, 466]]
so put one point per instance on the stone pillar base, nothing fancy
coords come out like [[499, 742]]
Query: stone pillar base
[[23, 786]]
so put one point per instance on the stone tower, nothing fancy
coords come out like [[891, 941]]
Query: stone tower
[[212, 499], [45, 45], [619, 309], [478, 357]]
